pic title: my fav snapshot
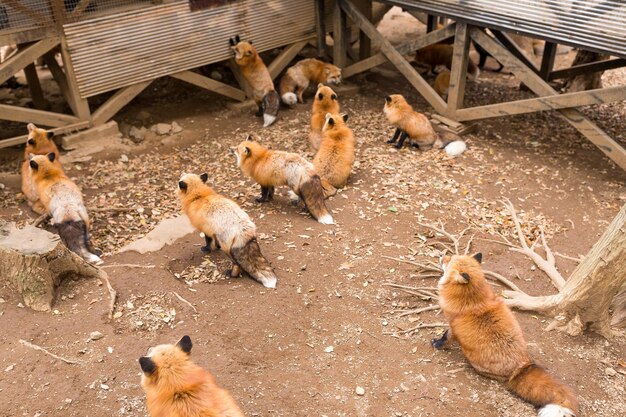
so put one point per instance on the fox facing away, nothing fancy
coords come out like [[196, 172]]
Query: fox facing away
[[441, 54], [298, 77], [325, 102], [492, 340], [39, 142], [63, 201], [177, 387], [271, 169], [258, 77], [225, 226]]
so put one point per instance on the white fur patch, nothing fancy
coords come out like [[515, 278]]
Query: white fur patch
[[268, 119], [293, 196], [93, 259], [290, 99], [555, 410], [326, 219], [456, 148], [269, 282]]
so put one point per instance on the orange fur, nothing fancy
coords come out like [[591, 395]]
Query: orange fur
[[335, 157], [441, 54], [442, 84], [177, 387], [253, 70], [39, 142], [298, 77], [325, 102], [401, 115], [490, 336]]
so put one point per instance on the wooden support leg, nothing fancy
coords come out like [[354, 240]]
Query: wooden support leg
[[36, 93], [365, 45], [285, 57], [540, 87], [547, 61], [431, 24], [512, 47], [25, 56], [321, 28], [340, 36], [121, 98], [458, 75], [60, 78], [79, 105], [210, 84]]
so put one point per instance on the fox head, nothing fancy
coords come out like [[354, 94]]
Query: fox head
[[41, 165], [325, 95], [332, 73], [395, 103], [190, 182], [463, 282], [334, 122], [165, 362], [244, 52], [247, 151], [38, 139]]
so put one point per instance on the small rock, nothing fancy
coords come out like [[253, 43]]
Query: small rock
[[124, 158], [360, 391], [68, 401], [170, 140], [104, 386], [176, 128], [610, 371], [117, 315], [329, 349], [20, 305], [2, 300], [162, 128], [216, 75], [2, 186], [95, 335], [137, 135], [9, 368]]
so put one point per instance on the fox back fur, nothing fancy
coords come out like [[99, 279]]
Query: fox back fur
[[335, 157], [297, 78], [441, 54], [325, 102], [177, 387], [492, 340], [226, 226], [271, 169]]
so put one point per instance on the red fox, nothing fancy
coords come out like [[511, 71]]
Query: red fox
[[442, 84], [491, 338], [325, 102], [225, 226], [39, 142], [333, 161], [417, 128], [441, 54], [258, 77], [275, 168], [63, 201], [297, 78], [177, 387]]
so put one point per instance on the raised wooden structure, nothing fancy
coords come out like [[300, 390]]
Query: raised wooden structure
[[598, 26]]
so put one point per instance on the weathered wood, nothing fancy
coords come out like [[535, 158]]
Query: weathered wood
[[102, 131], [458, 74], [553, 102], [79, 105], [34, 86], [39, 117], [210, 84], [34, 262], [340, 36], [514, 49], [589, 67], [59, 76], [25, 56], [320, 16], [114, 104], [540, 87], [588, 80], [285, 57], [365, 45], [20, 140], [395, 57], [547, 61]]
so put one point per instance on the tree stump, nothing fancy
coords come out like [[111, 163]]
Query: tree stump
[[35, 262]]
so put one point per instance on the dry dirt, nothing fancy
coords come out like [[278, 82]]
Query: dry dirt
[[331, 325]]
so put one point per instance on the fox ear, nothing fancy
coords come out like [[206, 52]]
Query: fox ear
[[479, 257], [182, 185], [246, 151], [34, 165], [320, 85], [204, 177], [231, 41], [250, 138], [31, 127], [237, 38], [345, 117], [464, 277], [147, 365], [185, 344], [51, 157], [50, 135], [388, 99], [333, 96]]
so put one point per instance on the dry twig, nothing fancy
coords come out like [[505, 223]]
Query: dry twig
[[47, 352], [184, 301], [112, 293], [128, 266], [420, 326]]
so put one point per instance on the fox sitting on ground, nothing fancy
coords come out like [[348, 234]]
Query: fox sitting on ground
[[325, 102], [297, 78], [441, 54], [333, 161], [442, 84], [258, 77], [39, 142], [63, 201], [225, 226], [275, 168], [177, 387], [491, 338], [417, 128]]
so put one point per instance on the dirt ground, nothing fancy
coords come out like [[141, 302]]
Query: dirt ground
[[332, 325]]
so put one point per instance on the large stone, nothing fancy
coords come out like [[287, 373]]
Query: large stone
[[162, 128], [137, 135]]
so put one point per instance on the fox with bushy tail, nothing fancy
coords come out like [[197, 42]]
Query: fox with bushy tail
[[63, 201], [297, 79], [225, 226], [491, 338], [258, 77]]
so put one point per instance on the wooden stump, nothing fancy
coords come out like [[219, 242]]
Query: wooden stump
[[35, 262]]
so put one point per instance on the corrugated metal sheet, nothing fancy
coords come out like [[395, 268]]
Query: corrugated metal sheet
[[124, 49], [598, 25]]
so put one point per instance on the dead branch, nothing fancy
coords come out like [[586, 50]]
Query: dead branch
[[571, 258], [418, 310], [419, 326], [41, 219], [454, 239], [503, 280], [184, 301], [469, 244], [112, 293], [47, 352], [127, 266]]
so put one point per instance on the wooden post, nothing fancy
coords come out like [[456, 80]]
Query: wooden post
[[321, 28], [365, 45], [25, 56], [458, 75], [340, 37], [285, 57], [79, 105], [547, 61], [431, 23], [36, 93]]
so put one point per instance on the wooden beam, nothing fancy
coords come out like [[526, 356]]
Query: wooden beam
[[340, 36], [114, 104], [210, 84], [588, 67], [540, 87], [59, 77], [431, 23], [19, 140], [458, 74], [320, 17], [365, 45], [552, 102], [547, 61], [26, 55], [512, 47], [79, 105], [285, 57], [34, 86], [395, 57], [39, 117]]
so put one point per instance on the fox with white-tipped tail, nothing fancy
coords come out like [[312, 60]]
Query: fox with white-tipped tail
[[272, 169], [492, 340], [225, 226], [297, 79]]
